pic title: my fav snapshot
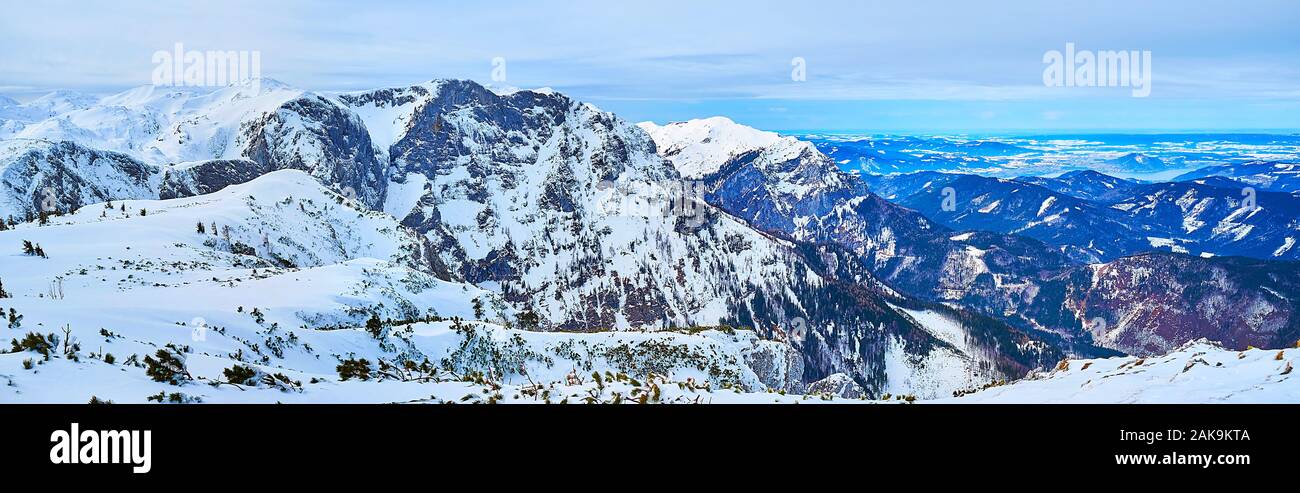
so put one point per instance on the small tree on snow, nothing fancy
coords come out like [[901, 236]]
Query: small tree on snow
[[528, 320], [241, 375], [166, 366], [374, 326], [478, 309], [33, 249], [36, 343], [354, 368]]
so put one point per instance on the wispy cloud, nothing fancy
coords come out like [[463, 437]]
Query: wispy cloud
[[695, 55]]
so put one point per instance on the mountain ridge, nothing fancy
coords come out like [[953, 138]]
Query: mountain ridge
[[562, 211], [987, 271]]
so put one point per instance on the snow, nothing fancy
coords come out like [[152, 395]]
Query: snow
[[151, 279], [699, 148], [388, 123], [403, 196], [160, 124], [1160, 242], [1047, 203], [28, 167], [1197, 372], [556, 368], [1166, 243], [942, 327], [939, 373], [935, 375], [1286, 246]]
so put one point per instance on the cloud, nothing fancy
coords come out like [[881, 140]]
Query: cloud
[[690, 54]]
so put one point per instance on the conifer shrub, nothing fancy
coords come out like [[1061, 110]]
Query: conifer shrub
[[166, 366], [240, 375], [354, 368]]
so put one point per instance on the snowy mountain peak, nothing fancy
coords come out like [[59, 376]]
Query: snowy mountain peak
[[154, 95], [157, 124], [14, 115], [506, 89], [700, 147]]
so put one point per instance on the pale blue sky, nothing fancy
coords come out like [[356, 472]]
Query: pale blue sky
[[906, 66]]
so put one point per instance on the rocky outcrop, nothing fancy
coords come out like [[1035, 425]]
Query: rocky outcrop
[[204, 177], [323, 138], [837, 385], [60, 177]]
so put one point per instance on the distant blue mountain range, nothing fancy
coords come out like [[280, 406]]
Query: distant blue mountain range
[[1049, 155], [1093, 238]]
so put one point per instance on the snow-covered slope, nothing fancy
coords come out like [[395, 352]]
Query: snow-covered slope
[[698, 148], [454, 362], [776, 183], [155, 124], [269, 123], [280, 280], [15, 116], [1197, 372], [953, 366], [284, 223], [1272, 176]]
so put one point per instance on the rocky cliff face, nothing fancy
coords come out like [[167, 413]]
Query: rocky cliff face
[[204, 177], [569, 212], [175, 141], [59, 177], [323, 138]]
